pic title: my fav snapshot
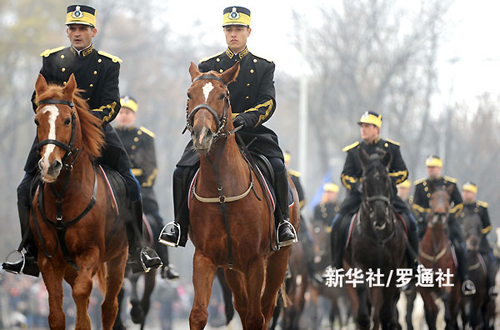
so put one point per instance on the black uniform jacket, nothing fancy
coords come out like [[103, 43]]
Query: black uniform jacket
[[96, 73], [352, 171], [422, 193], [295, 176], [140, 145], [481, 208], [253, 97], [324, 212]]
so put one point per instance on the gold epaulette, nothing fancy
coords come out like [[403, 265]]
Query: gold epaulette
[[47, 52], [393, 142], [457, 209], [483, 204], [262, 58], [419, 181], [148, 132], [349, 147], [210, 57], [294, 173], [112, 57], [448, 178]]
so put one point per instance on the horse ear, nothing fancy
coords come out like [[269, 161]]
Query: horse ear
[[363, 156], [230, 75], [40, 85], [193, 71], [449, 189], [387, 159], [70, 87]]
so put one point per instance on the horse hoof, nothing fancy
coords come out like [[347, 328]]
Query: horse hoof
[[136, 313]]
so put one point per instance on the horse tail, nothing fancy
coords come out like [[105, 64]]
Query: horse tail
[[286, 299], [101, 278]]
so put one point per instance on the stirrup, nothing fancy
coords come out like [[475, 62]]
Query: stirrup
[[164, 229], [143, 255], [287, 243], [466, 292], [13, 263]]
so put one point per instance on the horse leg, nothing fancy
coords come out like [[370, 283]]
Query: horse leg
[[237, 285], [254, 319], [149, 285], [276, 268], [53, 278], [430, 308], [203, 276], [136, 313], [118, 322], [226, 294], [377, 301], [115, 271], [410, 300]]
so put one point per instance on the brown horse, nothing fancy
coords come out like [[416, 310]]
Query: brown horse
[[377, 243], [74, 220], [436, 253], [233, 232]]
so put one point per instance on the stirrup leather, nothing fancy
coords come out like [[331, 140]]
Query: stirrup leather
[[283, 244], [164, 230], [12, 263]]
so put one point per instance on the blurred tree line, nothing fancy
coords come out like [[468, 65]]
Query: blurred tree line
[[364, 55]]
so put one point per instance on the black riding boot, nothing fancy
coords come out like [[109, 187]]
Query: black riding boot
[[412, 248], [140, 258], [468, 287], [27, 265], [177, 233], [337, 241], [286, 232]]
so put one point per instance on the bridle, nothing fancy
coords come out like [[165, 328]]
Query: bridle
[[220, 121], [70, 150]]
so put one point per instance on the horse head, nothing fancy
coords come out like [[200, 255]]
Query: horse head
[[472, 226], [209, 113], [377, 186], [61, 138], [439, 204]]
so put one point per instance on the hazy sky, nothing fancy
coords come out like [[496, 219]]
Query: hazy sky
[[470, 39]]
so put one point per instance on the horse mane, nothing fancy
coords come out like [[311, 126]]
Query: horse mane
[[92, 134]]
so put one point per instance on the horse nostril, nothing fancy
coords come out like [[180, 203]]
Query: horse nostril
[[56, 165]]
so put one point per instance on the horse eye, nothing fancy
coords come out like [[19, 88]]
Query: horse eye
[[189, 96], [222, 96], [37, 122], [67, 121]]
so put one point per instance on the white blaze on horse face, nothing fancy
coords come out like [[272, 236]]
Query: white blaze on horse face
[[207, 89], [54, 113]]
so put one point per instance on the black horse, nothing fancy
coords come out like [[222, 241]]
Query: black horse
[[377, 243]]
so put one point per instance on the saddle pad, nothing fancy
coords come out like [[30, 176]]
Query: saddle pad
[[110, 188]]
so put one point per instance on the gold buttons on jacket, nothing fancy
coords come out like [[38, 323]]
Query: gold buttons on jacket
[[64, 83], [95, 72], [133, 147], [99, 60], [217, 60], [386, 144], [221, 70], [247, 97], [255, 60], [62, 56], [248, 85], [252, 70], [91, 85], [139, 133], [136, 139], [63, 69]]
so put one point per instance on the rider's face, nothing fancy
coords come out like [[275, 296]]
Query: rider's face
[[468, 196], [80, 35], [434, 171], [236, 37], [125, 117], [369, 132]]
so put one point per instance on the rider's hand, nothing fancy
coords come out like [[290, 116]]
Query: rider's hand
[[239, 121]]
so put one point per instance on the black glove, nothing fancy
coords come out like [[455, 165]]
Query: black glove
[[239, 121]]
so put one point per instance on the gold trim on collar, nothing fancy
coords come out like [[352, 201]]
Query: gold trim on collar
[[88, 51], [229, 53], [243, 53]]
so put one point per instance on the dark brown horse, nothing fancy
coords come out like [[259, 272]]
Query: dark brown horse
[[377, 243], [231, 223], [74, 220], [436, 253], [478, 313]]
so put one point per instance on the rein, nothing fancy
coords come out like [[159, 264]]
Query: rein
[[434, 258]]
